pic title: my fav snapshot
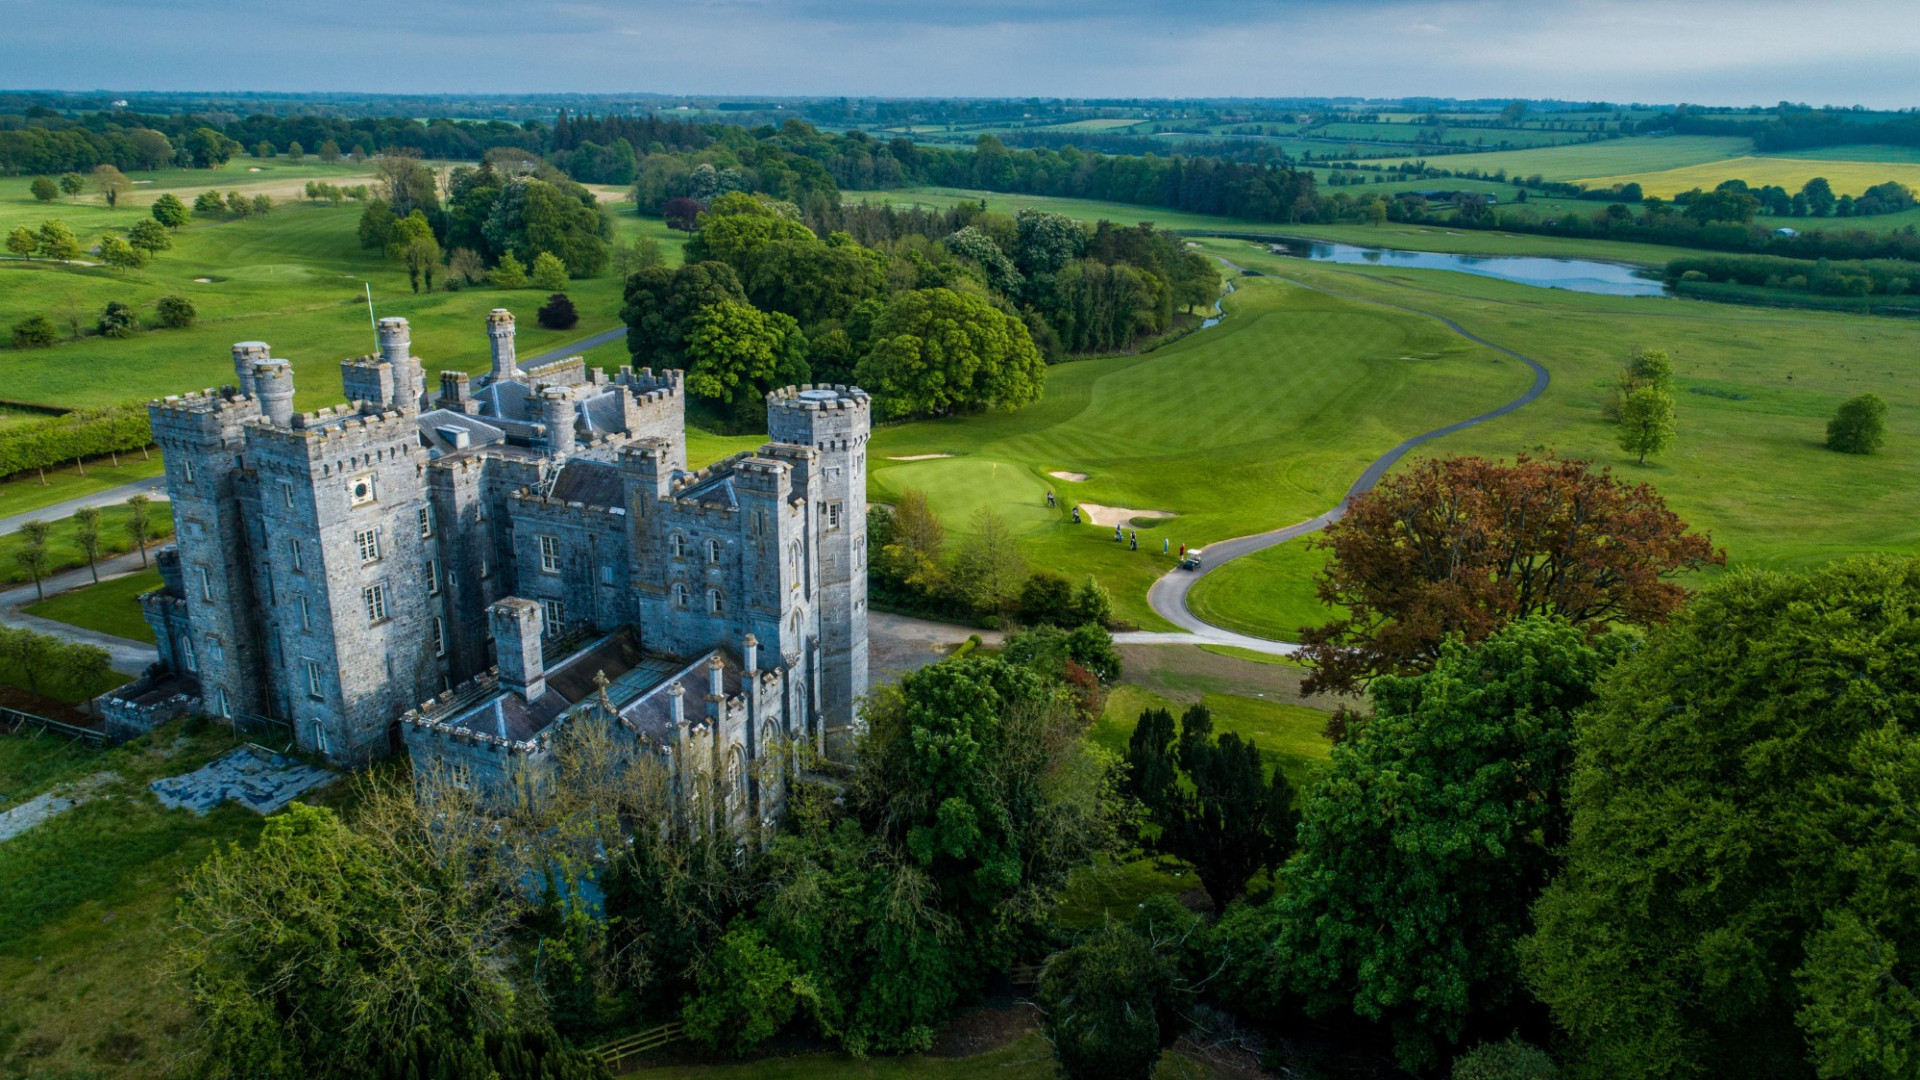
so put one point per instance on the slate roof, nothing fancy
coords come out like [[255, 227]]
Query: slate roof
[[437, 427], [715, 492], [595, 483]]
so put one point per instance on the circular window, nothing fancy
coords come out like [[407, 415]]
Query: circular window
[[361, 489]]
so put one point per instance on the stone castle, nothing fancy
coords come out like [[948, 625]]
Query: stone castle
[[462, 573]]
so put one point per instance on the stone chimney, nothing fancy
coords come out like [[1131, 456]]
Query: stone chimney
[[750, 651], [273, 386], [500, 329], [516, 625], [556, 411], [716, 688], [456, 392]]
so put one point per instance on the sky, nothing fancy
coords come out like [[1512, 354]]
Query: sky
[[1714, 52]]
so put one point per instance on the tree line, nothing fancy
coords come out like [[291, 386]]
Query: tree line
[[35, 445]]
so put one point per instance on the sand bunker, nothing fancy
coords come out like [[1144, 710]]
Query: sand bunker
[[919, 457], [1116, 515], [1076, 477], [204, 280]]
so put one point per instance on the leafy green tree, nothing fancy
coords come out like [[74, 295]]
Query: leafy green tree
[[1110, 1005], [111, 183], [58, 242], [561, 217], [736, 353], [23, 242], [662, 304], [263, 203], [45, 188], [1233, 822], [115, 251], [117, 320], [169, 211], [320, 949], [1860, 427], [209, 149], [295, 151], [549, 273], [988, 568], [1046, 598], [176, 312], [912, 544], [1819, 197], [210, 203], [86, 536], [509, 274], [149, 236], [974, 244], [748, 992], [495, 1055], [34, 332], [72, 184], [31, 555], [1437, 826], [1509, 1060], [1092, 603], [643, 252], [936, 352], [139, 523], [1738, 892], [1646, 422], [239, 205], [410, 242], [329, 151]]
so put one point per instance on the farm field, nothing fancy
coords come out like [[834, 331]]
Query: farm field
[[1262, 420], [293, 278], [1792, 173], [1641, 153]]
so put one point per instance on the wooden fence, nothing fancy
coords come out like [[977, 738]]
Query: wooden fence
[[13, 720], [614, 1054]]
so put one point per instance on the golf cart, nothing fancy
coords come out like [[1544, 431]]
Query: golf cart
[[1192, 561]]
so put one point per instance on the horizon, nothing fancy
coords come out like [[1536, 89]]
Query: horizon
[[1715, 53]]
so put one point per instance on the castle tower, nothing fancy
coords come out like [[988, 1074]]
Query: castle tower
[[396, 348], [556, 411], [500, 330], [273, 385], [835, 421], [245, 355]]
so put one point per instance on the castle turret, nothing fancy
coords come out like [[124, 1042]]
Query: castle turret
[[500, 330], [517, 626], [556, 411], [245, 355], [835, 421], [396, 348], [273, 385]]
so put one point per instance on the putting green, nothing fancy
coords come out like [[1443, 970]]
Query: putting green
[[1259, 422]]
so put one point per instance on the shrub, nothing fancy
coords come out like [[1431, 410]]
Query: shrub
[[1860, 427], [115, 251], [118, 320], [209, 202], [510, 274], [176, 312], [548, 272], [34, 332], [1510, 1060], [558, 313], [45, 189]]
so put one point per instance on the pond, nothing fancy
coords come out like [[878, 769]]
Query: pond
[[1578, 275]]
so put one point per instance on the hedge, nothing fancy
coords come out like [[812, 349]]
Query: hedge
[[86, 433], [1840, 277]]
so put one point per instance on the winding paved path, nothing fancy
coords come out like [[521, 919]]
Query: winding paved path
[[1168, 596], [154, 487], [574, 349]]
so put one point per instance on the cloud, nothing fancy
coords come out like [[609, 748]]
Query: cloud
[[1707, 51]]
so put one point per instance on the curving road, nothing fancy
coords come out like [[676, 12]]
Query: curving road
[[1168, 596]]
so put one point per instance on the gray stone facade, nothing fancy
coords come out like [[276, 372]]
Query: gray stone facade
[[355, 571]]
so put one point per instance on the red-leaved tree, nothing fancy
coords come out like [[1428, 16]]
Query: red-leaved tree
[[1465, 545], [683, 213]]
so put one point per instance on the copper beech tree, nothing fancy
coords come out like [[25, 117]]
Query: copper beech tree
[[1465, 545]]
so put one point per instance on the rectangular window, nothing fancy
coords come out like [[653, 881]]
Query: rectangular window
[[306, 615], [483, 567], [426, 521], [556, 613], [833, 515], [206, 584], [433, 578], [313, 678], [368, 541], [186, 471], [376, 600], [606, 575], [439, 636], [294, 547], [215, 649], [286, 492], [550, 554]]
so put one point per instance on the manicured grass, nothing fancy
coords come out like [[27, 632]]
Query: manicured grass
[[1268, 594], [111, 607], [1748, 465], [1027, 1058], [26, 492], [65, 550], [1847, 177], [704, 447], [86, 909], [1262, 420]]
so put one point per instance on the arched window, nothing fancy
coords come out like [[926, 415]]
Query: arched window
[[677, 546], [715, 604], [736, 777], [679, 594], [793, 561], [713, 551]]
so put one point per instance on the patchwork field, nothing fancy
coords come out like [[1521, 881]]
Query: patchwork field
[[1640, 153], [1847, 177]]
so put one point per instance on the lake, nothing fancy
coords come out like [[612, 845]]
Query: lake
[[1578, 275]]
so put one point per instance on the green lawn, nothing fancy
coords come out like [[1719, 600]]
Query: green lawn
[[1260, 421], [1582, 160], [86, 906], [65, 549], [293, 278], [111, 607], [24, 493]]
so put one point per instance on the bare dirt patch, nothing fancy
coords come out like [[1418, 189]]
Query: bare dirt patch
[[1117, 515], [985, 1027], [1076, 477]]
